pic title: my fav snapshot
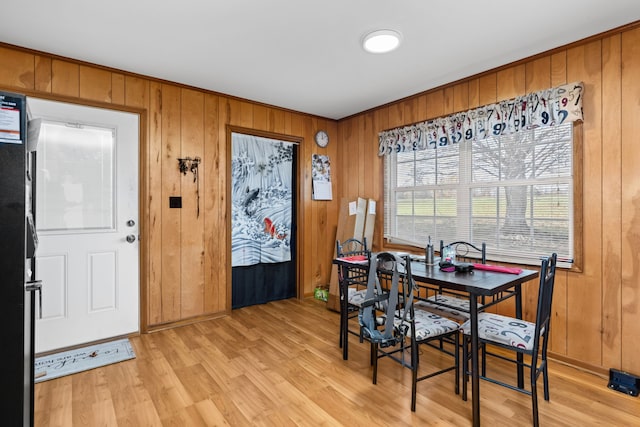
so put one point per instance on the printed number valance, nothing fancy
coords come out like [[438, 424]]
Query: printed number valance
[[539, 109]]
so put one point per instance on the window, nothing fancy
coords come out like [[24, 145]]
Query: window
[[513, 192], [76, 177]]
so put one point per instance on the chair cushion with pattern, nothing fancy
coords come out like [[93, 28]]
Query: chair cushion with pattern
[[356, 296], [503, 330], [456, 308], [430, 325]]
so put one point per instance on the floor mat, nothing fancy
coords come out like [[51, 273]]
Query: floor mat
[[82, 359]]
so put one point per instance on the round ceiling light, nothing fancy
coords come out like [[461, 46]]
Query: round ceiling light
[[381, 41]]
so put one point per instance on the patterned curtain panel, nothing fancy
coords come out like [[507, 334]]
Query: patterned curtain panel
[[539, 109], [261, 200]]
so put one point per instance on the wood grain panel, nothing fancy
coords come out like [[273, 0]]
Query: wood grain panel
[[311, 268], [538, 74], [137, 92], [560, 315], [155, 201], [612, 203], [584, 307], [351, 140], [330, 209], [369, 144], [145, 196], [410, 110], [487, 87], [260, 117], [360, 152], [474, 93], [211, 202], [339, 164], [333, 207], [422, 107], [171, 250], [316, 213], [241, 113], [435, 104], [42, 74], [630, 215], [276, 121], [305, 285], [461, 97], [396, 115], [65, 78], [510, 82], [287, 122], [17, 69], [448, 100], [559, 68], [224, 196], [117, 88], [192, 212], [95, 84], [382, 122]]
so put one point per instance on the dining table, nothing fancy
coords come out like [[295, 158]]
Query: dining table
[[480, 285], [490, 284]]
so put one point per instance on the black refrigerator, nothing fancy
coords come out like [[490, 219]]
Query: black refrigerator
[[18, 243]]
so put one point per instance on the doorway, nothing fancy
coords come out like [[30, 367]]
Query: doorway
[[86, 209], [263, 225]]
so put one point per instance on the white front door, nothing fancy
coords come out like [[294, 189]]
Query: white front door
[[86, 208]]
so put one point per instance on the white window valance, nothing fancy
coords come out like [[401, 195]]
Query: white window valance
[[548, 107]]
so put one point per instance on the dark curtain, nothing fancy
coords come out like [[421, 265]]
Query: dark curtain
[[261, 283]]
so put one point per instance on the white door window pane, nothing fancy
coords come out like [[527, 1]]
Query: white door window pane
[[76, 176]]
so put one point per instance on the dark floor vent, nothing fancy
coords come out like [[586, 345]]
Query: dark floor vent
[[624, 382]]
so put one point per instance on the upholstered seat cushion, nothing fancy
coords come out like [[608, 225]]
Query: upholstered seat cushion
[[503, 330], [430, 325], [356, 296], [447, 306]]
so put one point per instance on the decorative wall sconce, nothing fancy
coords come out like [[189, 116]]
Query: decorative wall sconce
[[187, 164]]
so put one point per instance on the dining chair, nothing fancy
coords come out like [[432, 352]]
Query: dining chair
[[450, 304], [353, 282], [395, 328], [518, 336]]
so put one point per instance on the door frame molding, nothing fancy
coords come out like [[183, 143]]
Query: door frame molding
[[298, 200]]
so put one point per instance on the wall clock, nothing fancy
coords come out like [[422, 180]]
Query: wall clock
[[322, 138]]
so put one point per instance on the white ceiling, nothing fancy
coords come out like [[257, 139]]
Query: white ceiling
[[306, 55]]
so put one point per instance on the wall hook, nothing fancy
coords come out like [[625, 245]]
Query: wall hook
[[187, 164]]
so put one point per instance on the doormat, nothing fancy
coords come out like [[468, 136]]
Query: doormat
[[82, 359]]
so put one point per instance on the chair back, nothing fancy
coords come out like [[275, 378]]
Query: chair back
[[545, 297], [389, 295], [352, 247], [466, 251]]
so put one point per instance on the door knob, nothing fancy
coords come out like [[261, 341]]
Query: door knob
[[131, 238]]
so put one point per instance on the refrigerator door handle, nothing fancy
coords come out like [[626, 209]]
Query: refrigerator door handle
[[36, 285]]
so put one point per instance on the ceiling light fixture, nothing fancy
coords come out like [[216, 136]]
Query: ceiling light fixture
[[381, 41]]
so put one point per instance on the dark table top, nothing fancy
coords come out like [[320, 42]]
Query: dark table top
[[479, 282]]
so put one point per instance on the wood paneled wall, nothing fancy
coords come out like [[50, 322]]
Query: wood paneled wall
[[596, 320], [185, 258]]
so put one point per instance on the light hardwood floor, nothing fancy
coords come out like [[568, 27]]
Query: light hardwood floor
[[279, 365]]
